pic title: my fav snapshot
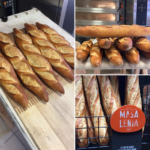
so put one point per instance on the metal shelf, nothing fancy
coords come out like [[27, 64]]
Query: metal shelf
[[97, 10], [94, 22]]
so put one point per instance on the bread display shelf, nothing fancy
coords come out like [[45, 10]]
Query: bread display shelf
[[143, 63], [44, 125]]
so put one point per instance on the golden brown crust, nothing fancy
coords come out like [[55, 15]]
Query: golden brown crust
[[93, 100], [142, 43], [132, 95], [80, 111], [104, 43], [113, 31], [48, 50], [23, 69], [109, 98], [115, 84], [114, 56], [96, 55], [124, 44], [37, 61], [10, 83], [60, 43], [132, 55], [83, 50]]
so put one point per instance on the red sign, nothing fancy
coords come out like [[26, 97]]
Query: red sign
[[127, 118]]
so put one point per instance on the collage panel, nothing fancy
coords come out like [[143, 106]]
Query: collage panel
[[112, 37], [112, 112]]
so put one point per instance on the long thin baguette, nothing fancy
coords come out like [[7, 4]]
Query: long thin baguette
[[93, 100], [37, 61], [96, 55], [60, 43], [83, 50], [80, 111], [114, 56], [48, 50], [132, 55], [109, 98], [115, 84], [133, 96], [113, 31], [10, 83], [146, 54], [142, 43], [22, 67]]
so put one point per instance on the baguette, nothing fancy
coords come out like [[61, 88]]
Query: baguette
[[80, 111], [83, 50], [132, 55], [93, 100], [109, 98], [60, 43], [91, 133], [9, 81], [114, 56], [146, 54], [37, 61], [96, 55], [132, 95], [115, 85], [48, 50], [22, 67], [142, 43], [113, 31], [104, 43], [124, 44]]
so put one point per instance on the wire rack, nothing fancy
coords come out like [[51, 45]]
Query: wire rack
[[144, 83]]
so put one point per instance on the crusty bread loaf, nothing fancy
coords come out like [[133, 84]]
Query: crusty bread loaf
[[132, 55], [132, 95], [113, 31], [83, 51], [109, 98], [91, 133], [37, 61], [96, 55], [10, 83], [104, 43], [114, 56], [142, 43], [22, 67], [48, 50], [124, 44], [115, 84], [60, 43], [94, 105], [80, 111]]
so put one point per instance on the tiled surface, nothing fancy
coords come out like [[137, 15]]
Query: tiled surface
[[11, 140]]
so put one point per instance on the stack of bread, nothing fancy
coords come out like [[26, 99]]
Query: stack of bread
[[94, 126], [38, 52], [115, 42]]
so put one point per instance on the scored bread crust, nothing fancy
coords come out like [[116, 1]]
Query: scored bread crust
[[94, 105], [80, 111], [22, 67], [83, 50], [60, 43], [48, 50], [37, 61], [10, 82]]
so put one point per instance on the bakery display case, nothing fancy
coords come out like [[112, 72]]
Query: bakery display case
[[86, 133]]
